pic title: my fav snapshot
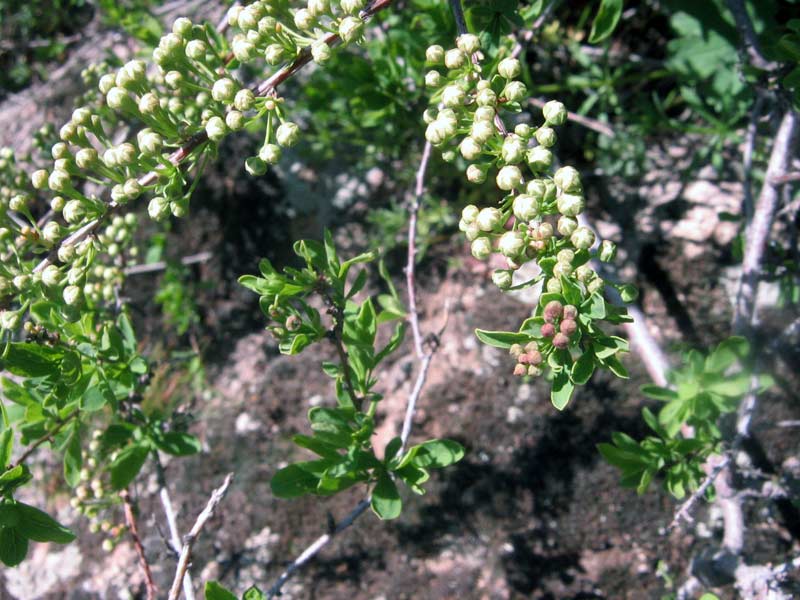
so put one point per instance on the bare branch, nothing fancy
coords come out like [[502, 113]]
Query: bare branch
[[161, 265], [130, 521], [188, 542], [752, 47], [684, 512], [172, 524], [47, 437], [413, 316], [593, 124]]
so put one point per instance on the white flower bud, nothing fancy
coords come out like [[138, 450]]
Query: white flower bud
[[132, 188], [489, 219], [158, 208], [502, 279], [350, 29], [118, 99], [51, 276], [511, 244], [476, 173], [481, 248], [86, 158], [318, 7], [150, 143], [216, 129], [567, 179], [126, 154], [68, 132], [484, 113], [18, 202], [320, 52], [66, 253], [149, 104], [509, 68], [454, 59], [469, 214], [566, 256], [523, 130], [486, 97], [243, 50], [107, 82], [434, 55], [437, 132], [255, 166], [182, 27], [223, 90], [196, 50], [351, 7], [173, 79], [287, 134], [433, 79], [234, 120], [482, 131], [584, 273], [470, 149], [509, 178], [567, 225], [39, 179], [247, 20], [52, 232], [274, 54], [554, 112], [57, 203], [525, 208], [59, 181], [582, 238], [244, 100], [60, 151], [270, 153], [515, 91], [562, 269], [303, 19], [570, 205], [539, 158], [233, 15], [468, 43], [597, 284], [608, 250], [72, 295], [9, 320], [513, 150]]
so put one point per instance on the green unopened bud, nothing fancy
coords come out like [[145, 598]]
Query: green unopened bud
[[274, 54], [481, 248], [59, 181], [39, 179], [350, 29], [509, 178], [525, 207], [57, 203], [567, 179], [433, 79], [196, 50], [69, 132], [455, 59], [470, 149], [468, 43], [546, 136], [107, 82], [182, 27], [270, 153], [582, 238], [51, 276], [82, 116], [453, 96], [72, 295], [321, 52], [570, 205], [434, 55], [584, 273], [158, 208], [608, 250], [118, 99], [515, 91], [470, 213], [234, 120], [216, 129], [255, 166], [596, 285], [513, 150], [567, 225], [511, 244], [628, 292], [509, 68], [243, 50], [287, 134], [18, 203], [52, 232], [539, 158], [86, 158], [502, 279], [133, 189], [149, 104], [489, 219], [482, 131], [476, 173], [244, 100], [223, 90], [554, 112]]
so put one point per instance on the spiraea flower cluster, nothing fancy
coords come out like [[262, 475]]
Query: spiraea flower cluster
[[536, 215], [180, 106]]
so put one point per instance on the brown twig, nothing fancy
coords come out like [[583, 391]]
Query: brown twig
[[45, 438], [750, 42], [130, 521], [160, 265], [188, 541], [589, 123]]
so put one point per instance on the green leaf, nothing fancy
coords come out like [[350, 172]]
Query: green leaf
[[392, 448], [31, 360], [413, 477], [393, 344], [658, 393], [13, 478], [437, 454], [502, 339], [615, 366], [324, 449], [358, 284], [9, 515], [178, 443], [38, 526], [571, 290], [294, 481], [594, 306], [253, 593], [127, 465], [330, 255], [606, 20], [128, 335], [97, 396], [214, 591], [13, 546], [562, 390], [386, 501], [582, 368], [73, 459], [6, 447], [731, 386]]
